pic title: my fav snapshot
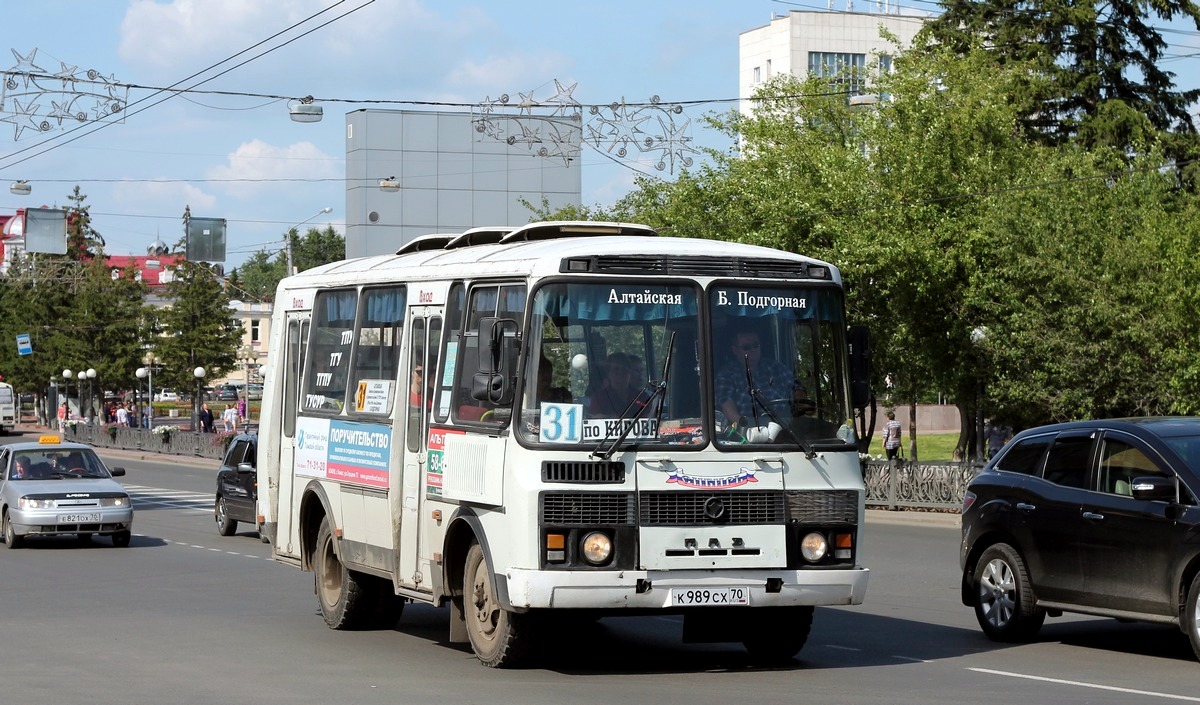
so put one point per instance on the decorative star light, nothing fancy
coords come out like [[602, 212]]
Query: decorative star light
[[555, 127], [27, 87]]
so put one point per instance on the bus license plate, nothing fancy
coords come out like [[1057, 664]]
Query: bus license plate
[[685, 597], [79, 519]]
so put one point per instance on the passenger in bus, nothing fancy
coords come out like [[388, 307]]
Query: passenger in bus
[[546, 391], [772, 379], [416, 390], [620, 386]]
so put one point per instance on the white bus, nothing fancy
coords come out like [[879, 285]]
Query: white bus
[[572, 418], [8, 408]]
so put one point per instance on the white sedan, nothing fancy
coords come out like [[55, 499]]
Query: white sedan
[[167, 395], [50, 488]]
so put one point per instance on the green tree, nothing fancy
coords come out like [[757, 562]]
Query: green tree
[[944, 215], [260, 274], [197, 328], [1096, 68], [82, 239]]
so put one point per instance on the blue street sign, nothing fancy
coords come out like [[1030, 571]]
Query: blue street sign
[[24, 347]]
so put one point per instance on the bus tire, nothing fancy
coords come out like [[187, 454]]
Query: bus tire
[[499, 638], [388, 605], [775, 635], [343, 594]]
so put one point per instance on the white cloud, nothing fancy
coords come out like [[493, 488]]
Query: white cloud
[[259, 161], [168, 40], [158, 197]]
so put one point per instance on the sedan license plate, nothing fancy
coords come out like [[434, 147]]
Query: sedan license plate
[[78, 518], [730, 596]]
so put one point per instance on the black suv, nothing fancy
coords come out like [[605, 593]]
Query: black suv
[[237, 486], [1095, 517]]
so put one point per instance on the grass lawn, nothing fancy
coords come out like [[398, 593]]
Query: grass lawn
[[931, 447]]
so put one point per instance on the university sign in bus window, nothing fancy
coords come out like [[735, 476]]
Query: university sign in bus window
[[377, 355], [613, 359], [331, 342]]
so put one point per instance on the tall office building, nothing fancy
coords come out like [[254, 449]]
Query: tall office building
[[450, 175]]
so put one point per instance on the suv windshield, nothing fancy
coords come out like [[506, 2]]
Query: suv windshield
[[599, 355]]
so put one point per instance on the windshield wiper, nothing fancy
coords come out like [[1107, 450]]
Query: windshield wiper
[[659, 391], [756, 401]]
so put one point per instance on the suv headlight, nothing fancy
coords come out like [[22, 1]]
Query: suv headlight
[[33, 503]]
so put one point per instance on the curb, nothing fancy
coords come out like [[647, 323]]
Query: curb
[[914, 518]]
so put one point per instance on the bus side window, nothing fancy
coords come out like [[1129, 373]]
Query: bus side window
[[507, 301], [332, 341], [381, 323]]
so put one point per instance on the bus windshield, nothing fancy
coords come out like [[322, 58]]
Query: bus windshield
[[779, 366], [600, 365], [610, 359]]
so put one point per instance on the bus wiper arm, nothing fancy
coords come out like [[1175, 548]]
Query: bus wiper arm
[[757, 401], [659, 391]]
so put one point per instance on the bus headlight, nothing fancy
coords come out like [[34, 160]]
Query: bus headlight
[[814, 547], [596, 548]]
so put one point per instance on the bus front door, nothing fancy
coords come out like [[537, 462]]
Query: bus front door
[[418, 375]]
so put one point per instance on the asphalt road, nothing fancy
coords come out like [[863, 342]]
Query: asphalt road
[[187, 616]]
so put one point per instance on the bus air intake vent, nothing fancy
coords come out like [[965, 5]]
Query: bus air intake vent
[[707, 508], [587, 508], [700, 266], [583, 471], [822, 506]]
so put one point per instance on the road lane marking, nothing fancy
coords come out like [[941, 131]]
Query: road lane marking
[[1082, 684], [142, 495]]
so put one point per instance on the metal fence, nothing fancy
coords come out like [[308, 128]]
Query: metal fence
[[900, 485], [890, 485], [175, 442]]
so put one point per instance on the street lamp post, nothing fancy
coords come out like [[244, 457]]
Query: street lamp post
[[247, 355], [91, 375], [147, 372], [288, 235], [199, 372], [67, 391], [82, 376]]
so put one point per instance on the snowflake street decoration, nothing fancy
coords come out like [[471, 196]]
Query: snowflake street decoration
[[554, 127], [36, 99]]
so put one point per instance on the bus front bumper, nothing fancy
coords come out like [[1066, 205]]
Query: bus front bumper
[[676, 590]]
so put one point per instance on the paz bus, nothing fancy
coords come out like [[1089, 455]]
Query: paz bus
[[568, 419], [8, 408]]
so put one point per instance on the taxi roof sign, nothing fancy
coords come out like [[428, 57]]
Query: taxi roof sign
[[48, 439]]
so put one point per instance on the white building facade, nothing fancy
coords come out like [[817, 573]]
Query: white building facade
[[805, 42]]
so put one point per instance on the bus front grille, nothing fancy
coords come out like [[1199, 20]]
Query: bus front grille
[[583, 471], [822, 506], [587, 508], [708, 508]]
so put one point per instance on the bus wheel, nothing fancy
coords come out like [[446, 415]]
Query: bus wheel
[[499, 638], [775, 635], [388, 605], [343, 594]]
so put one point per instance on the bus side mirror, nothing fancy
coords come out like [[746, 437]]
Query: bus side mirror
[[860, 366], [499, 347]]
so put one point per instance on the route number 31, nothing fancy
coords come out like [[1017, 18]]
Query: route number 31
[[561, 423]]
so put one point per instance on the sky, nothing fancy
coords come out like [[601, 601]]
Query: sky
[[241, 158]]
